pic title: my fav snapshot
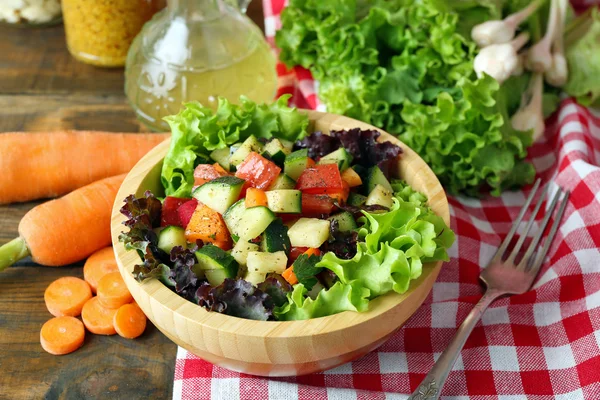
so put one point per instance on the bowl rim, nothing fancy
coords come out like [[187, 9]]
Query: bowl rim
[[273, 329]]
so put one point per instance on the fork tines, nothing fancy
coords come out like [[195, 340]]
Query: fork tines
[[530, 261]]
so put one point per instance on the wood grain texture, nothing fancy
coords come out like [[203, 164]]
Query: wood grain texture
[[278, 348], [105, 367], [34, 113]]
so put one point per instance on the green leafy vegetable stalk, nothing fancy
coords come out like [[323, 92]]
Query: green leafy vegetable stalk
[[582, 40], [407, 67]]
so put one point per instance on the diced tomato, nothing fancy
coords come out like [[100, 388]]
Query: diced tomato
[[321, 179], [313, 204], [258, 171], [295, 252], [169, 215], [206, 172], [185, 211], [310, 163]]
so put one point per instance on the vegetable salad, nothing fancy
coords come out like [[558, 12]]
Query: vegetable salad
[[262, 220]]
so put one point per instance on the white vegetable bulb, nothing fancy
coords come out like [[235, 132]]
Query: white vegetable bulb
[[502, 31], [492, 32], [558, 73], [500, 60], [530, 115]]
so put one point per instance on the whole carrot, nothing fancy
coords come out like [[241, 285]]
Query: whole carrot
[[65, 230], [50, 164]]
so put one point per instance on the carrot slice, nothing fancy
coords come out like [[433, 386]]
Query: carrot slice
[[129, 321], [220, 169], [97, 318], [112, 291], [290, 276], [312, 251], [208, 225], [255, 197], [66, 296], [99, 264], [62, 335]]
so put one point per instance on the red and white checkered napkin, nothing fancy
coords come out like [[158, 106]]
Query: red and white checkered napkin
[[544, 344]]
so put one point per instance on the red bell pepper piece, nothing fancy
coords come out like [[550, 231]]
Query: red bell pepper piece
[[168, 214], [315, 204], [185, 212], [258, 171]]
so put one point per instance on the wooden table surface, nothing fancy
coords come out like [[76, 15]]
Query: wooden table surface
[[42, 88]]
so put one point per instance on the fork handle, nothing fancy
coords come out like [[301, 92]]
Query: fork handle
[[432, 385]]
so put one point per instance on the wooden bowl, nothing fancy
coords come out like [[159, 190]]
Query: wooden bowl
[[277, 348]]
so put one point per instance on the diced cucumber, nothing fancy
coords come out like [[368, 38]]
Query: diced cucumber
[[309, 232], [202, 159], [296, 163], [253, 222], [376, 177], [254, 277], [170, 237], [275, 238], [341, 157], [287, 144], [381, 196], [283, 182], [241, 249], [266, 263], [233, 214], [251, 144], [355, 199], [276, 151], [345, 220], [221, 156], [216, 263], [285, 201], [219, 193], [275, 145]]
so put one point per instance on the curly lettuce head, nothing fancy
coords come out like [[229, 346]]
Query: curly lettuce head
[[406, 66]]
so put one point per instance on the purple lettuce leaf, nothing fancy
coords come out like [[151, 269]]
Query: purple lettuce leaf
[[237, 298], [342, 244], [182, 275], [361, 144], [277, 288]]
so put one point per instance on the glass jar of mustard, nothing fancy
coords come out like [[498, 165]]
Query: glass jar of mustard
[[100, 32]]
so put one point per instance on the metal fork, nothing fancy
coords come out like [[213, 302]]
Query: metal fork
[[502, 276]]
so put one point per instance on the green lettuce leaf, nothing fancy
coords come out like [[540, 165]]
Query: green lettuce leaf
[[198, 130], [582, 40], [396, 244], [340, 297], [386, 270]]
